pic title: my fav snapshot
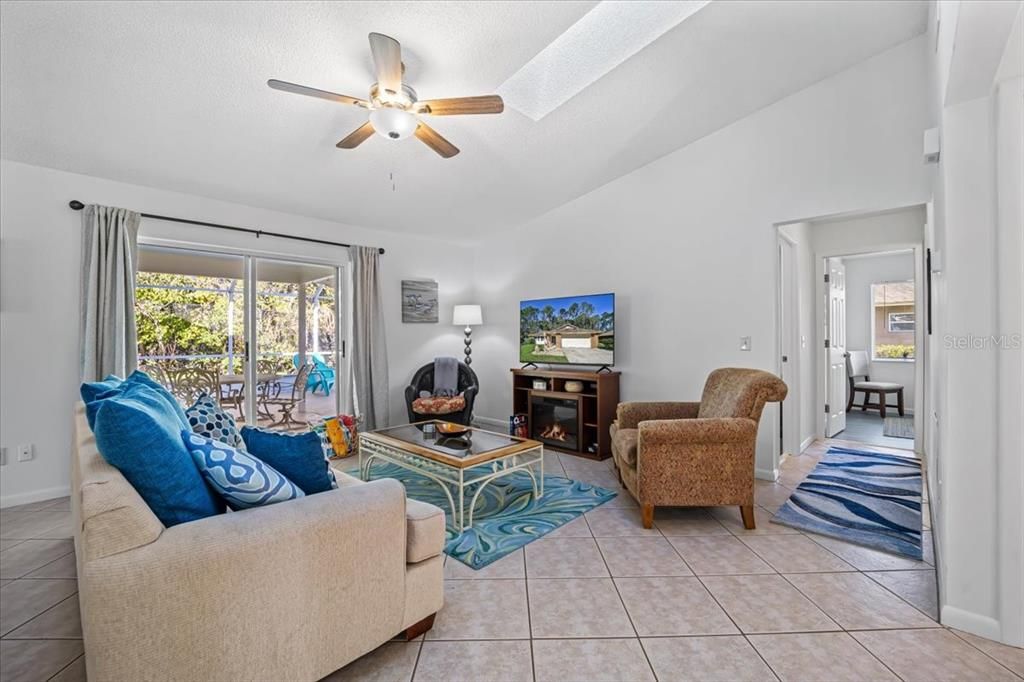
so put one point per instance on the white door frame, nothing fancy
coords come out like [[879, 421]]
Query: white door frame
[[920, 332], [788, 297]]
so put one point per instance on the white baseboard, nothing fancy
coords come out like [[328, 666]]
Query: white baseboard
[[806, 444], [492, 422], [766, 474], [34, 496], [983, 626]]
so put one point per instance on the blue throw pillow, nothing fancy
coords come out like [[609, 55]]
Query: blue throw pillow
[[90, 390], [207, 418], [299, 456], [136, 378], [140, 434], [241, 479]]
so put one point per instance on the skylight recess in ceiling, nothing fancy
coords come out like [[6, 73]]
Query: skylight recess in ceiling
[[603, 38]]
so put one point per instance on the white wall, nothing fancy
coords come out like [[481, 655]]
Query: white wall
[[687, 242], [39, 283], [861, 273], [975, 469]]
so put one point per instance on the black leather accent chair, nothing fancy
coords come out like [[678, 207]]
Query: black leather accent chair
[[423, 380]]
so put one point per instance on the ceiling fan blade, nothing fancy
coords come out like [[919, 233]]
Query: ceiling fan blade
[[433, 139], [387, 58], [356, 137], [285, 86], [455, 106]]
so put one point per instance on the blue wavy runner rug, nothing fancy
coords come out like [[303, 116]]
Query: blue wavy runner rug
[[867, 498], [507, 516]]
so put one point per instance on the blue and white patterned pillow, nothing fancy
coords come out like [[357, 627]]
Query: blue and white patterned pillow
[[241, 479], [208, 418]]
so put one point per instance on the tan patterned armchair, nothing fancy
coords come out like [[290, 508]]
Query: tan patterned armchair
[[674, 454]]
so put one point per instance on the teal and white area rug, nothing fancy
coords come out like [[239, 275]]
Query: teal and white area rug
[[507, 516], [867, 498]]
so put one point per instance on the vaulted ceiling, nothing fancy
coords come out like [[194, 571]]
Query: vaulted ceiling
[[174, 95]]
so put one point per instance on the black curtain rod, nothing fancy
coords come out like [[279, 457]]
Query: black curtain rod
[[77, 205]]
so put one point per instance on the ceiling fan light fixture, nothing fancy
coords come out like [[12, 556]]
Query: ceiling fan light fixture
[[392, 123]]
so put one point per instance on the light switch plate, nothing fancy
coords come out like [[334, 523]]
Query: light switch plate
[[25, 453], [744, 343]]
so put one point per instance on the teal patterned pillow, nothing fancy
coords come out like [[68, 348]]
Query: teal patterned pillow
[[208, 418], [241, 479]]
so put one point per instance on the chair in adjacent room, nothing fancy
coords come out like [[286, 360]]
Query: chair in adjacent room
[[857, 365], [695, 454]]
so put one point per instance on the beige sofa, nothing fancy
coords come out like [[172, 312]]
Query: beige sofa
[[292, 591]]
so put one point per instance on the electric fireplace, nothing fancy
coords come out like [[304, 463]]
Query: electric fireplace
[[555, 421]]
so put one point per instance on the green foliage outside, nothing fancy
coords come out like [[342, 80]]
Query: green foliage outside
[[188, 315], [895, 351], [583, 315]]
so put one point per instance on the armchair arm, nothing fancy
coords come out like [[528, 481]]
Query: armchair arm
[[629, 415], [699, 462], [657, 433], [309, 566]]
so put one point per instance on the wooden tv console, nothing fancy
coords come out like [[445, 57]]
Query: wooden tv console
[[595, 405]]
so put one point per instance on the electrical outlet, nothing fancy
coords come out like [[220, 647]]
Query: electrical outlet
[[25, 453], [744, 343]]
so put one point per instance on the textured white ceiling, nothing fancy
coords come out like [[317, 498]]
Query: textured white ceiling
[[174, 95]]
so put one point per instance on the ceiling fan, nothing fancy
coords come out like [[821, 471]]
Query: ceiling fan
[[393, 105]]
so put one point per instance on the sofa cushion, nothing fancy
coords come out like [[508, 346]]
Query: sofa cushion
[[425, 535], [240, 478], [299, 456], [139, 433], [625, 443], [439, 404], [207, 418]]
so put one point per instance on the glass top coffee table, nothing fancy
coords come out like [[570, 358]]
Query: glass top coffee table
[[455, 463]]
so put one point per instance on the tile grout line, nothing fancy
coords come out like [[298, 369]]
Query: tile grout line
[[73, 661], [625, 609], [529, 616], [845, 630], [982, 651]]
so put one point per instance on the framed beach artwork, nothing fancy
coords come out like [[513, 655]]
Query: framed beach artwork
[[419, 300]]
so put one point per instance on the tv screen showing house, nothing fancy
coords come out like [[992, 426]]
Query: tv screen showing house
[[572, 330]]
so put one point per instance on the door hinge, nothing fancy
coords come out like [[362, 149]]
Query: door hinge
[[827, 410], [826, 343], [785, 358], [826, 278], [343, 348]]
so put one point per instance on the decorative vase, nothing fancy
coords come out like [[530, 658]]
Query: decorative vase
[[574, 387]]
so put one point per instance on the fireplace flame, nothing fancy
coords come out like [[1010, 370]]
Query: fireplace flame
[[555, 432]]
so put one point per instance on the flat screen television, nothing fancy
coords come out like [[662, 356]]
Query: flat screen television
[[570, 330]]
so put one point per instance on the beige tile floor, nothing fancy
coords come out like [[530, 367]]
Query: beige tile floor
[[696, 598]]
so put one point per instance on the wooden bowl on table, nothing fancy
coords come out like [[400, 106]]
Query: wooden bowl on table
[[451, 429]]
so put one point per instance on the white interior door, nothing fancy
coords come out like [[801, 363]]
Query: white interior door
[[835, 346]]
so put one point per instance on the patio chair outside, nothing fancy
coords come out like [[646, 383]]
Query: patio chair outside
[[321, 375], [292, 398]]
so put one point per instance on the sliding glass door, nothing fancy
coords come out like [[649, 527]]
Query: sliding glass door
[[261, 335], [297, 315]]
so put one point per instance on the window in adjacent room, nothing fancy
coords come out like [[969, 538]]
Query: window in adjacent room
[[893, 321]]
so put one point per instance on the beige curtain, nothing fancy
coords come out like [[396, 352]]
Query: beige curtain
[[369, 360], [109, 261]]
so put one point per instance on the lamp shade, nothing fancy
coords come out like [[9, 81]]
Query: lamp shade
[[467, 315]]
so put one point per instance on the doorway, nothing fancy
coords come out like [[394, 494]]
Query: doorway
[[871, 316]]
